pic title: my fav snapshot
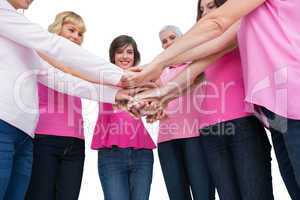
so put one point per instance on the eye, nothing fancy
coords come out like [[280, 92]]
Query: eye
[[211, 5], [130, 52], [172, 37], [119, 51], [80, 34], [164, 41], [71, 30]]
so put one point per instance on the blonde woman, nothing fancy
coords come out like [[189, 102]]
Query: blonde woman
[[20, 40], [59, 140]]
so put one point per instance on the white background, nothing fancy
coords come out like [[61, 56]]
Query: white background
[[141, 19]]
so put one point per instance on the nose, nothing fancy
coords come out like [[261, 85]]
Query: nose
[[125, 55], [75, 37]]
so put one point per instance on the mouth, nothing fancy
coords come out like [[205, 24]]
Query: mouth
[[125, 63]]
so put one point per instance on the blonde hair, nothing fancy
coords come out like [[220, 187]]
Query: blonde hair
[[67, 17]]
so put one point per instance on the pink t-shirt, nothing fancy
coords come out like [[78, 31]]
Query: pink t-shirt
[[224, 91], [60, 114], [115, 127], [269, 41], [182, 114]]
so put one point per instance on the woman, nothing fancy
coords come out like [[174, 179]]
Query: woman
[[233, 140], [20, 40], [59, 140], [267, 87], [180, 152], [125, 157]]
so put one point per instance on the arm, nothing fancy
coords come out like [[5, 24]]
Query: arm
[[63, 68], [208, 48], [178, 85], [210, 27], [68, 84], [14, 26]]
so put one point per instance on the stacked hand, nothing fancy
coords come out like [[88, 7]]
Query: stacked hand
[[141, 98], [136, 76]]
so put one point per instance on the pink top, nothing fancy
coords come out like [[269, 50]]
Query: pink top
[[183, 113], [224, 91], [60, 114], [269, 40], [119, 128]]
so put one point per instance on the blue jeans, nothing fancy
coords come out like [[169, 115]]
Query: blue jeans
[[286, 140], [125, 173], [15, 162], [238, 154], [57, 168], [185, 170]]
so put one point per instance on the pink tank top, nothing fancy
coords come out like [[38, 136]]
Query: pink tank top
[[60, 114], [182, 113], [269, 41], [119, 128], [224, 91]]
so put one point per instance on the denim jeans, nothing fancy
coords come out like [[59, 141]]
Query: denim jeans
[[125, 173], [286, 140], [185, 170], [57, 168], [15, 162], [238, 154]]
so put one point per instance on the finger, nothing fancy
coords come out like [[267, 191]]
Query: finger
[[135, 69]]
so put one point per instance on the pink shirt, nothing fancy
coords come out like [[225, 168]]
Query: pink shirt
[[119, 128], [269, 40], [183, 113], [224, 91], [60, 114]]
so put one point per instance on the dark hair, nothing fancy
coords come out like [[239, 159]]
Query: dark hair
[[199, 12], [123, 41]]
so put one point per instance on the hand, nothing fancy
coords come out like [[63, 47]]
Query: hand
[[158, 116], [134, 78], [150, 102], [126, 95]]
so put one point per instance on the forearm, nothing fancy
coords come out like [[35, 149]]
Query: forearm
[[68, 84], [209, 27], [227, 39], [64, 68]]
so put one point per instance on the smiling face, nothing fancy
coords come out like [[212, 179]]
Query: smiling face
[[207, 6], [20, 4], [167, 38], [72, 32], [124, 56]]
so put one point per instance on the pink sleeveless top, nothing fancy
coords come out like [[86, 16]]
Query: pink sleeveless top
[[224, 91], [182, 113], [269, 41], [120, 129], [60, 114]]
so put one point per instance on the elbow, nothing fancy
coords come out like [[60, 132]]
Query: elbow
[[219, 23]]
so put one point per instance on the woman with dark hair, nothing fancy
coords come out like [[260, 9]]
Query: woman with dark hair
[[235, 143], [125, 157], [270, 69]]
